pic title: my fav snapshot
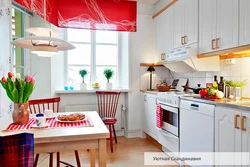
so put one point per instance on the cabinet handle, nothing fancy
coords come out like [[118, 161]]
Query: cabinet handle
[[182, 39], [217, 43], [163, 56], [156, 101], [213, 48], [242, 123], [235, 121], [185, 37], [145, 97]]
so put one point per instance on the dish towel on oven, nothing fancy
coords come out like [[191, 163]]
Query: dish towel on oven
[[159, 116]]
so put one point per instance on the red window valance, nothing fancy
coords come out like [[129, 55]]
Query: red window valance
[[116, 15]]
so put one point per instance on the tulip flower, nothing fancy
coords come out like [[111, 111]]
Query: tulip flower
[[32, 80], [4, 79], [18, 76], [10, 74], [28, 78]]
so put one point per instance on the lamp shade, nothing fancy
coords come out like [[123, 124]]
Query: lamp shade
[[44, 51], [151, 68]]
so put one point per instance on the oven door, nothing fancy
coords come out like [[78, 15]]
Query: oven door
[[171, 119]]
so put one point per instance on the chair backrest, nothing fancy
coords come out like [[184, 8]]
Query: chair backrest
[[17, 150], [39, 105], [107, 103]]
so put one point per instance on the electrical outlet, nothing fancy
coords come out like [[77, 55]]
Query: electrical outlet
[[230, 61]]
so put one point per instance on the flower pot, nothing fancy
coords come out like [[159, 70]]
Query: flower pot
[[20, 114], [108, 85], [83, 86]]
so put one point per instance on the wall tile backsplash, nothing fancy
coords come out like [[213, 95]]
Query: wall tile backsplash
[[239, 71]]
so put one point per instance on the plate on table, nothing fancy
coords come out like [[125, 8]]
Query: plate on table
[[95, 87], [40, 127], [68, 121]]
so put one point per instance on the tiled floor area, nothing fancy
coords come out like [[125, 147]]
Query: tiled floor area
[[127, 153]]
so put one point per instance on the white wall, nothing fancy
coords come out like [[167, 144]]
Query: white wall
[[49, 71], [5, 54], [142, 49]]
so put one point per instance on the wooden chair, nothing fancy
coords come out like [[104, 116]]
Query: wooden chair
[[107, 106], [38, 106], [17, 150]]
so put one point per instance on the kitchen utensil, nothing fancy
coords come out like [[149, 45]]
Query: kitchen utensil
[[195, 90]]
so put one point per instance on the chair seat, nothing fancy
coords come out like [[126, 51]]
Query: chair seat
[[108, 121]]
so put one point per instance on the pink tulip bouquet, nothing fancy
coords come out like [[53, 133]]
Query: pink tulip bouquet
[[18, 89]]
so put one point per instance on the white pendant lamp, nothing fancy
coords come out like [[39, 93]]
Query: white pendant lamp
[[43, 41]]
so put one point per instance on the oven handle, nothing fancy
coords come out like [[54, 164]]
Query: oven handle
[[170, 109], [167, 134]]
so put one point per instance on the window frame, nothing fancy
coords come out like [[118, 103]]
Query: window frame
[[93, 65]]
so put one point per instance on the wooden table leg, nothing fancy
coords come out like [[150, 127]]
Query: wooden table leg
[[102, 153], [92, 157]]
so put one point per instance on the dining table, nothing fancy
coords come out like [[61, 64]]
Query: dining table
[[61, 139]]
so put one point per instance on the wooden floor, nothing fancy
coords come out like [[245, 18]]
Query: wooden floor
[[127, 153]]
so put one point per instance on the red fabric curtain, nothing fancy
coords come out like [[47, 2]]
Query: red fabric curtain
[[115, 15]]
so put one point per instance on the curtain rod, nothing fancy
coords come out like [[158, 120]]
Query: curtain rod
[[21, 9]]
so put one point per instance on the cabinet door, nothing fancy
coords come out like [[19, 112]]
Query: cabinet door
[[227, 24], [191, 21], [178, 23], [151, 107], [246, 134], [244, 23], [227, 137], [207, 25], [144, 113], [164, 34]]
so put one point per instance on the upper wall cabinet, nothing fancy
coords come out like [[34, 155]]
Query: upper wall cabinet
[[185, 22], [244, 23], [218, 25], [164, 34]]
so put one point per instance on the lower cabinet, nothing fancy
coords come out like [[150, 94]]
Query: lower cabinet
[[232, 131], [149, 102]]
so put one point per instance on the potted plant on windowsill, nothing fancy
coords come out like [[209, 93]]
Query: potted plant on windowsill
[[83, 73], [108, 73]]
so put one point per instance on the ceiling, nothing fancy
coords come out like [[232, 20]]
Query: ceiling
[[148, 1]]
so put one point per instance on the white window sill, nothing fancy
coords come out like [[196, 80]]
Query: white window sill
[[91, 91]]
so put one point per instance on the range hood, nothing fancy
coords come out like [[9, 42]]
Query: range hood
[[185, 60]]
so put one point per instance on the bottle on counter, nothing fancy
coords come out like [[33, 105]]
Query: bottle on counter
[[221, 85], [215, 83]]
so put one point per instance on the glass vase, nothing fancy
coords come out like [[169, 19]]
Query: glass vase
[[20, 114]]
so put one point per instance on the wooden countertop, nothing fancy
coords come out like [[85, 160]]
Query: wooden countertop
[[154, 91]]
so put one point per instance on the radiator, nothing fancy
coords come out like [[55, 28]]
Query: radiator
[[94, 107]]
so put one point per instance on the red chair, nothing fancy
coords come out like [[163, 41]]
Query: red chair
[[107, 106], [38, 106], [17, 150]]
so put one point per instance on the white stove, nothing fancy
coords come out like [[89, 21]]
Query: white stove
[[171, 98]]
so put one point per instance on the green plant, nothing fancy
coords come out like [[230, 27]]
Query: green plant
[[108, 73], [231, 83], [18, 89], [83, 73]]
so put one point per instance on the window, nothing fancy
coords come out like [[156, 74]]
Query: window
[[19, 20], [95, 51]]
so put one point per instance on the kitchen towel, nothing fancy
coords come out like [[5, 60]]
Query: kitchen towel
[[159, 116], [52, 123]]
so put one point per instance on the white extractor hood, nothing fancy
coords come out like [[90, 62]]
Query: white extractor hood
[[185, 60]]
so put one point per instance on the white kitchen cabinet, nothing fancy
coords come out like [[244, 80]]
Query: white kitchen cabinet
[[164, 34], [232, 131], [244, 23], [218, 28], [179, 23], [227, 24], [227, 137], [149, 114], [185, 22], [207, 25]]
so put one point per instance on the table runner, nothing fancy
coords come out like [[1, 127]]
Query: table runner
[[52, 124]]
